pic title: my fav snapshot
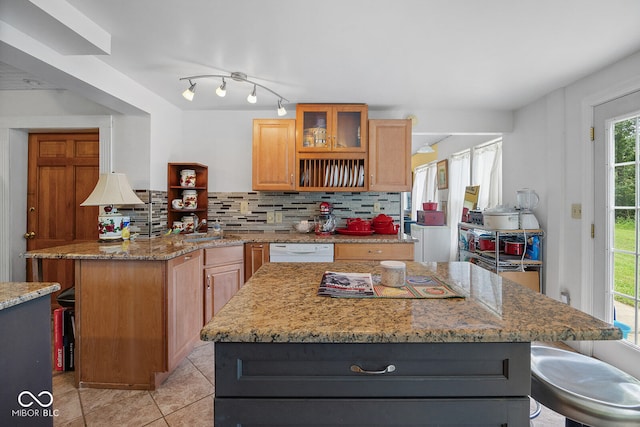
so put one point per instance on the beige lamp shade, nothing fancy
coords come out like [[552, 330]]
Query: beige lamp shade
[[112, 189]]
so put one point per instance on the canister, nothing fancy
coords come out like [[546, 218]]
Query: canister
[[189, 199], [178, 226], [394, 273], [187, 178], [188, 223]]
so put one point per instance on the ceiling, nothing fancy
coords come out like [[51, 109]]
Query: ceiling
[[406, 55]]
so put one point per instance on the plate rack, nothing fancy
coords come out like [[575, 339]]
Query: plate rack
[[336, 174]]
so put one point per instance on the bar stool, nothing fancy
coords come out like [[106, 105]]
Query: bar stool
[[583, 389]]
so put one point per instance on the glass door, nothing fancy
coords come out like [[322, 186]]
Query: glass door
[[617, 228]]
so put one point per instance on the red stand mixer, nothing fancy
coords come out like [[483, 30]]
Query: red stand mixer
[[325, 223]]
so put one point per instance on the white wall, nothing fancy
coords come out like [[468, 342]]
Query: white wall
[[550, 151]]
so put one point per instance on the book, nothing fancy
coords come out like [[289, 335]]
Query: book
[[338, 284], [68, 338], [58, 344]]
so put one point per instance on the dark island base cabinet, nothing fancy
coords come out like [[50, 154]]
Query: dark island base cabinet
[[318, 384]]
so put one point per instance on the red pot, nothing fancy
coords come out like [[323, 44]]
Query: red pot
[[430, 206], [357, 224], [382, 220], [389, 229], [514, 248], [486, 244]]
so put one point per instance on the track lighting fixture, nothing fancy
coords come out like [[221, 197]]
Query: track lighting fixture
[[222, 89], [190, 91]]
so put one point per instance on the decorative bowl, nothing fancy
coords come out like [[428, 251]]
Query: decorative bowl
[[303, 226]]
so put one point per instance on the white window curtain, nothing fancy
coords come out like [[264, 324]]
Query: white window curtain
[[487, 173], [424, 187], [459, 178]]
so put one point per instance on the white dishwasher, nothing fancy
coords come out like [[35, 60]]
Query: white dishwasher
[[301, 252]]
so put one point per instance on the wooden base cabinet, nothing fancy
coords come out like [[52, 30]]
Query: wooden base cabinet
[[480, 384], [184, 299], [255, 254], [135, 319], [373, 251], [223, 276]]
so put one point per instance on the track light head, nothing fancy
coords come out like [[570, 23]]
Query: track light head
[[221, 91], [190, 91], [252, 98], [281, 110]]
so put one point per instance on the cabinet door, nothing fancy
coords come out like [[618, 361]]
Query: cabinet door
[[221, 283], [255, 254], [349, 131], [184, 305], [390, 155], [273, 154], [331, 128]]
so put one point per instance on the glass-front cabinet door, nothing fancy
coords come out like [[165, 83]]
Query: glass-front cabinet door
[[331, 127]]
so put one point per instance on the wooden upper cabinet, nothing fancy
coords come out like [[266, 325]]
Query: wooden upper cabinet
[[273, 154], [389, 155], [331, 127]]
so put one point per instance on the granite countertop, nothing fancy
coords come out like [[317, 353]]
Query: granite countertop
[[14, 293], [279, 304], [164, 248]]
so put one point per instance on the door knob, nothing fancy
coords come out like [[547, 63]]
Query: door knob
[[30, 235]]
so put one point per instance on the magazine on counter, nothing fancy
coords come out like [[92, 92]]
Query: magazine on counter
[[337, 284]]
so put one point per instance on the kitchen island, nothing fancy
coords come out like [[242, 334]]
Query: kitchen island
[[285, 356], [25, 359], [140, 304]]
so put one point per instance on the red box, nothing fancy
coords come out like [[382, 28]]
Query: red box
[[431, 217]]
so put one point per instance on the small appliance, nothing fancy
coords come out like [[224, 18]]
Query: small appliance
[[325, 223], [527, 201]]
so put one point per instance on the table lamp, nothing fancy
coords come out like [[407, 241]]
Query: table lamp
[[111, 189]]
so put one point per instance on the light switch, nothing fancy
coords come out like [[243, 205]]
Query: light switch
[[244, 207], [576, 211], [278, 217]]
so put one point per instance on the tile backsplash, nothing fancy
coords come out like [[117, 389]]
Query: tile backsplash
[[151, 219]]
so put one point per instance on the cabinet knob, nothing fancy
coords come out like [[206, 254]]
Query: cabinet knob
[[30, 235]]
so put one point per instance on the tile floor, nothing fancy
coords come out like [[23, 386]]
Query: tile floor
[[184, 399]]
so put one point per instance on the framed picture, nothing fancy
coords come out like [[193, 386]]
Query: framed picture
[[442, 174]]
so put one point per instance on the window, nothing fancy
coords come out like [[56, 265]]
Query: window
[[424, 187]]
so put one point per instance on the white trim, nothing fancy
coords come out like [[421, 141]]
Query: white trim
[[587, 248], [8, 229]]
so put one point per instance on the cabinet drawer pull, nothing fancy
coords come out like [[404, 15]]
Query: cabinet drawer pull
[[358, 369], [187, 257], [377, 251]]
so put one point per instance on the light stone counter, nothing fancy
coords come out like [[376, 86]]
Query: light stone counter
[[165, 248], [14, 293], [279, 304]]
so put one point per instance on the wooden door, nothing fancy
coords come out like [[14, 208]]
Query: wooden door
[[273, 154], [63, 169], [389, 155], [184, 305]]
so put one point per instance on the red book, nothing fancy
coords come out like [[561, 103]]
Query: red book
[[58, 344]]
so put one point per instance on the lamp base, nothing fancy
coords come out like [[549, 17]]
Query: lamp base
[[110, 227]]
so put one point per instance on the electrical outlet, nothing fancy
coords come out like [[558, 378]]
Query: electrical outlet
[[376, 206], [270, 217], [244, 207], [278, 217], [576, 211]]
